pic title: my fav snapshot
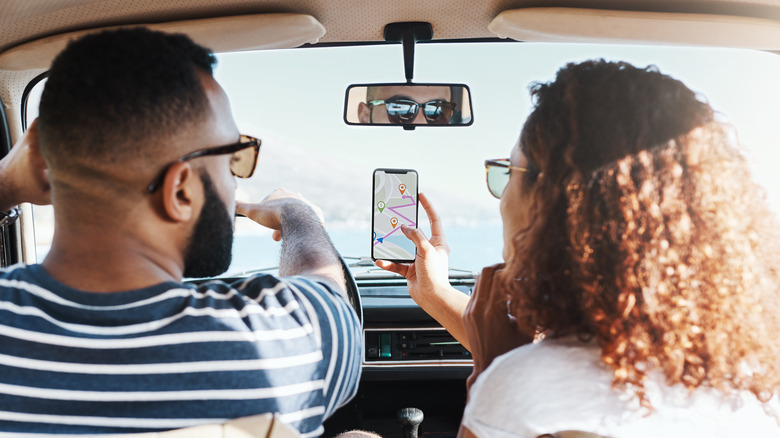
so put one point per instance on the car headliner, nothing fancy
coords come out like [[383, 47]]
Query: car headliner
[[344, 20]]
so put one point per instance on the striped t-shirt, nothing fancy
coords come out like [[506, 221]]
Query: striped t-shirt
[[172, 355]]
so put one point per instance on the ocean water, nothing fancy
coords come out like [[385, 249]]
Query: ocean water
[[472, 247]]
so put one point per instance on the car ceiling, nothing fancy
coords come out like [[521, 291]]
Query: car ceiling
[[22, 21]]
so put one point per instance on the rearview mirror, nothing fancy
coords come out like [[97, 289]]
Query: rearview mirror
[[408, 105]]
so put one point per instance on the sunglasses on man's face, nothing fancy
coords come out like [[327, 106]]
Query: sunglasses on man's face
[[437, 111], [242, 162], [497, 174]]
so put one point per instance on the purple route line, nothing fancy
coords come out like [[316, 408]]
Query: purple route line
[[376, 241], [402, 206]]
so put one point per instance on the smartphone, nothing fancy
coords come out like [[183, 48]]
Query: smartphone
[[394, 204]]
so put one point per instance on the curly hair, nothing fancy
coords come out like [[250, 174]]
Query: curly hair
[[647, 233]]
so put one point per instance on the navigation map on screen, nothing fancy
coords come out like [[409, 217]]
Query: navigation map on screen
[[395, 204]]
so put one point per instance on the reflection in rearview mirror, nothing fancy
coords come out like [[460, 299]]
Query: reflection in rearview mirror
[[408, 105]]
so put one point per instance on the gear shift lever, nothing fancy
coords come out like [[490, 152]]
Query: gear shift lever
[[410, 419]]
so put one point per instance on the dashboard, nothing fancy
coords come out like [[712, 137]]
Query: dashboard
[[409, 361]]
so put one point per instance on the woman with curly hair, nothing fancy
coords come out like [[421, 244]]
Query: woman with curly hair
[[639, 294]]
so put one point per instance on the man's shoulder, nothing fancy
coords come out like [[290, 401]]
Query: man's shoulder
[[19, 269], [265, 290], [21, 272], [265, 283]]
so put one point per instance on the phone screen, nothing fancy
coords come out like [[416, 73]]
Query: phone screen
[[394, 204]]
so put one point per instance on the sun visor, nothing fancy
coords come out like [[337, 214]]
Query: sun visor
[[609, 26], [221, 34]]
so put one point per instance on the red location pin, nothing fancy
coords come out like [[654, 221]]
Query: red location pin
[[393, 222], [402, 188]]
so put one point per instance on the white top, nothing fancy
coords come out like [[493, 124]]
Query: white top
[[561, 384]]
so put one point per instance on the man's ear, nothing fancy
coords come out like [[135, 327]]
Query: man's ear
[[39, 166], [364, 113], [181, 192]]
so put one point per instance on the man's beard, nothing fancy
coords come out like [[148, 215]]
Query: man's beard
[[209, 250]]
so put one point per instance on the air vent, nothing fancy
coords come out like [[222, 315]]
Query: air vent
[[413, 346]]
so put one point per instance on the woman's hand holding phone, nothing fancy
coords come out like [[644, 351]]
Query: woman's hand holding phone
[[430, 269], [428, 277]]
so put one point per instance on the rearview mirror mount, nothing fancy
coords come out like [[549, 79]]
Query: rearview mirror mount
[[408, 105]]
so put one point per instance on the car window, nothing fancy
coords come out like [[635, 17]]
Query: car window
[[293, 100]]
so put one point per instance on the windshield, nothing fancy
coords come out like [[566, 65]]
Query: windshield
[[293, 100]]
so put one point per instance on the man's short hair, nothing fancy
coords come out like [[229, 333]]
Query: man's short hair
[[115, 94]]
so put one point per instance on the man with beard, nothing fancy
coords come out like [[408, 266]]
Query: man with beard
[[137, 150]]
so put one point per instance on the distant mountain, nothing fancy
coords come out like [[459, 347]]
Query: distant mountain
[[339, 186]]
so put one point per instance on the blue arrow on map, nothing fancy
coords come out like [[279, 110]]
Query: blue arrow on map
[[380, 239]]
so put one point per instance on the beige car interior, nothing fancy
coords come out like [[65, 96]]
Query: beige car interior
[[32, 32]]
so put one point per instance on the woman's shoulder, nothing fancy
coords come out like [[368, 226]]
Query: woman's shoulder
[[553, 372], [526, 390], [570, 355], [561, 384]]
